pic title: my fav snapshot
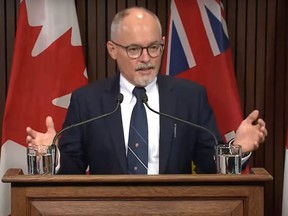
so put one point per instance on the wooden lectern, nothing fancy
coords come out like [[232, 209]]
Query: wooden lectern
[[137, 195]]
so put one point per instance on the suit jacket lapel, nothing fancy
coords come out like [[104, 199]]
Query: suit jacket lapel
[[114, 122], [167, 105]]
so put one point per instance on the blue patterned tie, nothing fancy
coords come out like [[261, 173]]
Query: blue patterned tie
[[138, 137]]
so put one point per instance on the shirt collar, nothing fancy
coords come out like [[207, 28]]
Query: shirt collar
[[126, 87]]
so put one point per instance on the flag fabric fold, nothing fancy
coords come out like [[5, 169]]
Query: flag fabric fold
[[285, 181], [198, 49], [48, 64]]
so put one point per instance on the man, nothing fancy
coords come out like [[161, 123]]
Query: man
[[102, 145]]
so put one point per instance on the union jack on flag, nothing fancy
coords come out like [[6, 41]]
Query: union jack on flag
[[197, 48], [211, 13]]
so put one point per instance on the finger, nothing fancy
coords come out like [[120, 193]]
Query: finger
[[262, 126], [30, 141], [31, 132], [252, 116], [30, 144], [261, 122], [266, 132], [256, 146], [261, 137], [50, 124]]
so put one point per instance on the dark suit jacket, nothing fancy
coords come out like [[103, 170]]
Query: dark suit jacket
[[100, 144]]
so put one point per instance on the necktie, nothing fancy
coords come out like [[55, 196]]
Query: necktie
[[138, 137]]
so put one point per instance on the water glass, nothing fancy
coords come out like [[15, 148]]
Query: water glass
[[39, 160], [229, 159]]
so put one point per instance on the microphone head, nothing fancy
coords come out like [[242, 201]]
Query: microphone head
[[119, 98], [144, 98]]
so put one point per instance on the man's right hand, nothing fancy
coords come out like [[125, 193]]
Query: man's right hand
[[36, 138]]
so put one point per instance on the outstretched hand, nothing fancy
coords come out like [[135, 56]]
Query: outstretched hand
[[36, 138], [251, 132]]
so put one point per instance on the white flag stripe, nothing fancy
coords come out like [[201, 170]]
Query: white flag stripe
[[211, 5], [62, 101], [10, 150]]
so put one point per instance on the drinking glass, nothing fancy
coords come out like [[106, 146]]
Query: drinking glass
[[39, 160], [229, 159]]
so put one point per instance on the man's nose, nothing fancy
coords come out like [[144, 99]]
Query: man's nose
[[145, 57]]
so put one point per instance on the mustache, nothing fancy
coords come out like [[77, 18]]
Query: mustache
[[144, 66]]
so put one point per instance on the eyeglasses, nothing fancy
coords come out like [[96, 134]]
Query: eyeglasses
[[135, 51]]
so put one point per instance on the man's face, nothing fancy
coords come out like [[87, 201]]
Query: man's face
[[140, 30]]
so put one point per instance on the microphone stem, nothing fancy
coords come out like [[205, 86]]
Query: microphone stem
[[182, 120], [53, 145], [84, 122]]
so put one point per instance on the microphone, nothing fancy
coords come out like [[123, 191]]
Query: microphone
[[145, 101], [119, 100]]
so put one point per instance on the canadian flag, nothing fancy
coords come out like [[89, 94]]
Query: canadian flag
[[48, 64], [285, 181]]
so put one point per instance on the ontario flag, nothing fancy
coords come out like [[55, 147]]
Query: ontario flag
[[198, 49], [285, 181], [48, 64]]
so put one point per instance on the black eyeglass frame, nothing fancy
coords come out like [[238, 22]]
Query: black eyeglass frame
[[161, 46]]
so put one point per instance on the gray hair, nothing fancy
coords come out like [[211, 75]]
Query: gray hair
[[124, 13]]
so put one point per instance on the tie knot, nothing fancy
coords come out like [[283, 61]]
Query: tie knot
[[139, 92]]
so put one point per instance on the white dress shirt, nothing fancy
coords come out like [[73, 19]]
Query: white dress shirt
[[129, 100]]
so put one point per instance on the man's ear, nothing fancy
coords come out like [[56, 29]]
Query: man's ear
[[163, 40], [111, 49]]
